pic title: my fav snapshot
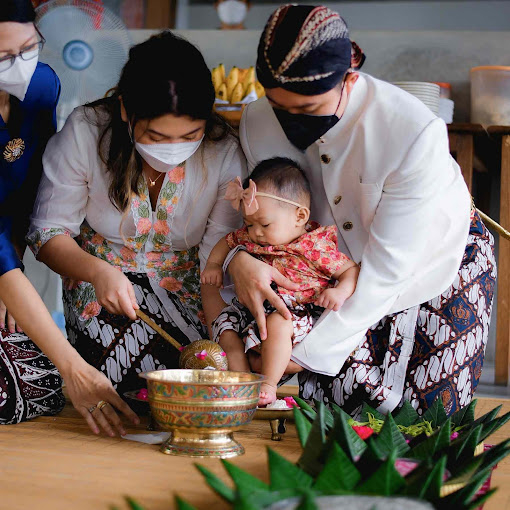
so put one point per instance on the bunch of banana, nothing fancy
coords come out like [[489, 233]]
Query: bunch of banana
[[236, 85]]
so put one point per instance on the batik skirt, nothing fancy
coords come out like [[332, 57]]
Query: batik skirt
[[434, 350], [30, 385], [121, 348]]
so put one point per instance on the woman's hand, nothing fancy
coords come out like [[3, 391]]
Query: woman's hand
[[252, 280], [115, 292], [7, 320], [86, 387]]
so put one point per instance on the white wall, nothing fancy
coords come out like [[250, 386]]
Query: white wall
[[384, 15]]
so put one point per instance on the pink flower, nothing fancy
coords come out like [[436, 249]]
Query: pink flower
[[201, 355], [222, 353], [91, 310], [176, 175], [307, 244], [363, 431], [144, 225], [151, 274], [161, 227], [136, 203], [110, 256], [454, 435], [153, 256], [171, 284], [290, 402], [127, 253], [143, 394], [170, 209]]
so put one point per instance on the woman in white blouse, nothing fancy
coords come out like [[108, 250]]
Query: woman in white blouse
[[129, 207]]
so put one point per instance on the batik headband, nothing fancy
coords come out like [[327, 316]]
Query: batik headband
[[313, 52], [236, 194]]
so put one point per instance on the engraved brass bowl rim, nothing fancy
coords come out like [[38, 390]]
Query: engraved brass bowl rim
[[202, 377]]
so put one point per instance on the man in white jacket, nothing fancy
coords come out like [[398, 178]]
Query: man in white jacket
[[380, 169]]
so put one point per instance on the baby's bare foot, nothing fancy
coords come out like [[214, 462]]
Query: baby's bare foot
[[267, 394]]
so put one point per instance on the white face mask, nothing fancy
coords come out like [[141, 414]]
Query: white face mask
[[16, 80], [165, 156], [232, 12]]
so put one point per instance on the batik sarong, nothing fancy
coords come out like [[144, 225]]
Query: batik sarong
[[434, 350]]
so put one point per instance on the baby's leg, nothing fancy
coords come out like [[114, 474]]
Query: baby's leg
[[234, 349], [275, 354]]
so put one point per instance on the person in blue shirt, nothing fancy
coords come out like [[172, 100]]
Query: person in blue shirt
[[30, 381]]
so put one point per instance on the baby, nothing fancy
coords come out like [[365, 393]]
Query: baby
[[275, 202]]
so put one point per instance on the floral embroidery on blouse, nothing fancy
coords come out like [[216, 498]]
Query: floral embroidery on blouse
[[40, 237], [177, 271], [311, 260]]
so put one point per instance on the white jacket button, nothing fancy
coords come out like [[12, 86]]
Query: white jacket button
[[347, 225], [325, 158], [338, 199]]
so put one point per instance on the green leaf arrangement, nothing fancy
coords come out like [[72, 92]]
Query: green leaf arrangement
[[336, 461]]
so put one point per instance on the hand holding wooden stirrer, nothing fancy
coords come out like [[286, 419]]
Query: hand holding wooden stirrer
[[197, 355]]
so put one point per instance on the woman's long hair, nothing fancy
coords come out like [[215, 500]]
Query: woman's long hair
[[165, 74]]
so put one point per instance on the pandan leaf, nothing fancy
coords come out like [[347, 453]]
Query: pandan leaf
[[328, 417], [491, 427], [216, 484], [463, 448], [464, 416], [308, 502], [406, 415], [183, 505], [436, 414], [338, 473], [311, 415], [243, 480], [462, 473], [487, 417], [284, 474], [386, 481], [367, 408], [304, 405], [479, 502], [133, 505], [303, 426], [464, 496], [371, 460], [345, 436], [262, 499], [495, 454], [433, 444], [431, 489], [391, 439], [310, 460]]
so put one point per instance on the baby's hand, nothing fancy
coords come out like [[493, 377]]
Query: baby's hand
[[212, 275], [332, 299]]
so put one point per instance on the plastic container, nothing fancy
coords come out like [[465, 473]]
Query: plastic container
[[490, 95]]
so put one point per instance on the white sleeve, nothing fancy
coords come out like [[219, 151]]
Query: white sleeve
[[243, 136], [63, 191], [223, 217], [397, 241]]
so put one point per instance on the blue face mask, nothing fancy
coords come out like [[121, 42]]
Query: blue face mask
[[302, 129]]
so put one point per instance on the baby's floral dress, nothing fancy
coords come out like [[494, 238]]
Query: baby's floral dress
[[310, 261]]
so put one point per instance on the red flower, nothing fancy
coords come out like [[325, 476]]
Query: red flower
[[176, 175], [171, 284], [315, 255], [161, 227], [363, 431], [144, 226]]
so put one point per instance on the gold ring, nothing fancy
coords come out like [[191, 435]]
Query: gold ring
[[92, 409], [101, 404]]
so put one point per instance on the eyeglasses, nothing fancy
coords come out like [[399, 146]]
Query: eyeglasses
[[27, 53]]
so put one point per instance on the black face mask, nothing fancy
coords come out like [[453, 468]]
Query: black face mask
[[301, 129]]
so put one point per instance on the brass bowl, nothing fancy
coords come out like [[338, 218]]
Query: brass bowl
[[202, 409]]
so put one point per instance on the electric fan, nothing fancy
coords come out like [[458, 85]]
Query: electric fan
[[86, 45]]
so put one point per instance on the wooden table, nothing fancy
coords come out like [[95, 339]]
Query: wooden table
[[56, 463], [462, 146]]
